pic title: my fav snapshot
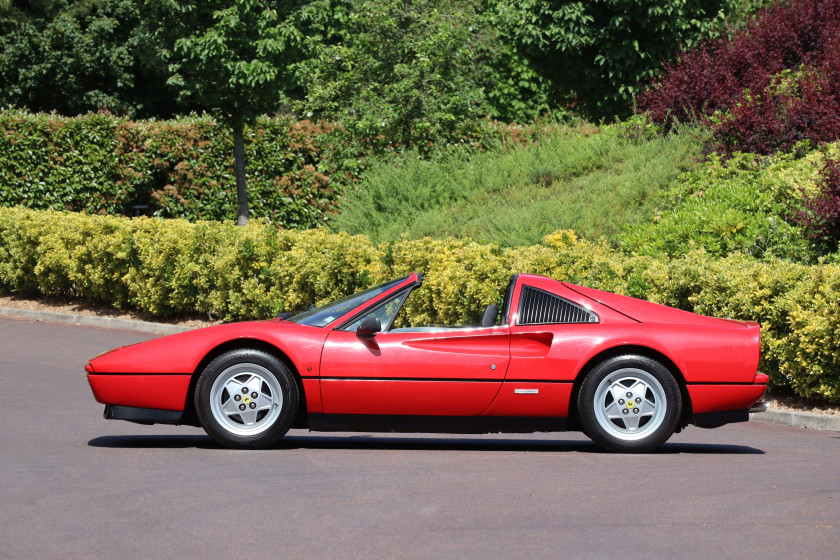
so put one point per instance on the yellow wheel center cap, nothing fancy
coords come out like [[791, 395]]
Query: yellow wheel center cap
[[246, 399], [630, 404]]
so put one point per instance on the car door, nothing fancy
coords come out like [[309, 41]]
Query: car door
[[548, 334], [421, 371]]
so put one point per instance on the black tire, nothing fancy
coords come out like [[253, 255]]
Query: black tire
[[629, 404], [246, 399]]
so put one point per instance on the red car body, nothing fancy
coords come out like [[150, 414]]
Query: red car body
[[517, 375]]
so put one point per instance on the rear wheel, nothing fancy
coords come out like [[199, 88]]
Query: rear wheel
[[246, 399], [629, 404]]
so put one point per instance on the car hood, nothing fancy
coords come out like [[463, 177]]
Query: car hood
[[647, 312], [181, 353]]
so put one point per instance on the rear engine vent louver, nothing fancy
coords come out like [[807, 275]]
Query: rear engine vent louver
[[537, 307]]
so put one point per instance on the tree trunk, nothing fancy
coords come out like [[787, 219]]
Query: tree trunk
[[239, 167]]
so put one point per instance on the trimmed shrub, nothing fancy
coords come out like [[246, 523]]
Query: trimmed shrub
[[173, 266], [256, 271], [176, 169]]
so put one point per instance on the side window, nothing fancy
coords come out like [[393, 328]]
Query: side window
[[386, 311], [537, 307]]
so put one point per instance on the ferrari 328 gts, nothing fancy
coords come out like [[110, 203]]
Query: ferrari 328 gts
[[555, 357]]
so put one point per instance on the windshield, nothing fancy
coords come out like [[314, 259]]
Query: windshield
[[326, 314]]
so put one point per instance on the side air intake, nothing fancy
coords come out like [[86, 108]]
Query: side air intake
[[537, 307]]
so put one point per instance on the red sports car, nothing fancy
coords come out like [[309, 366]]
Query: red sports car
[[626, 372]]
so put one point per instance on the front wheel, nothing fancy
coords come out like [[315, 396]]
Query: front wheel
[[629, 404], [246, 399]]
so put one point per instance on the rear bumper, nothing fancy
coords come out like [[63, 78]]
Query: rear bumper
[[721, 417], [726, 397], [718, 404]]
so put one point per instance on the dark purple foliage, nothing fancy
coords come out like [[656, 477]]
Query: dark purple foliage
[[821, 216], [739, 76]]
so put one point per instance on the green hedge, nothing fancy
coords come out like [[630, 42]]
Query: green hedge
[[182, 168], [174, 266]]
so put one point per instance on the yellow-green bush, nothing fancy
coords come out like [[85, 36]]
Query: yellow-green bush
[[808, 350], [174, 266]]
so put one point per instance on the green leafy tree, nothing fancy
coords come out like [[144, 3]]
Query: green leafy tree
[[595, 53], [73, 57], [235, 58], [405, 72], [515, 90]]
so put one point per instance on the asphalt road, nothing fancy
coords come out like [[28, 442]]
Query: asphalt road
[[73, 485]]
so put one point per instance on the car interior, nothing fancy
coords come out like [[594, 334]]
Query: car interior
[[390, 318]]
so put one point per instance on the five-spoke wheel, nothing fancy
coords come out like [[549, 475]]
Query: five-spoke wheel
[[629, 403], [246, 399]]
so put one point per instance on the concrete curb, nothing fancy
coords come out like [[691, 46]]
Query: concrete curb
[[92, 321], [786, 417], [799, 419]]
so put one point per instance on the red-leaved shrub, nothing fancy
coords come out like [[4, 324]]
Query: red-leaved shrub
[[821, 216], [760, 107]]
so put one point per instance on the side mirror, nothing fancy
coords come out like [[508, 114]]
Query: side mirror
[[369, 327]]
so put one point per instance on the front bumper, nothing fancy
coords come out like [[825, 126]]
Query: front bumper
[[164, 392]]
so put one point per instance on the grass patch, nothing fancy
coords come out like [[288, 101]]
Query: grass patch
[[594, 183]]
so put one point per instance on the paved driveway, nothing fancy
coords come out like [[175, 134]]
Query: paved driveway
[[77, 486]]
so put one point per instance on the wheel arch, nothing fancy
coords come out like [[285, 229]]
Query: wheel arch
[[190, 413], [686, 414]]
